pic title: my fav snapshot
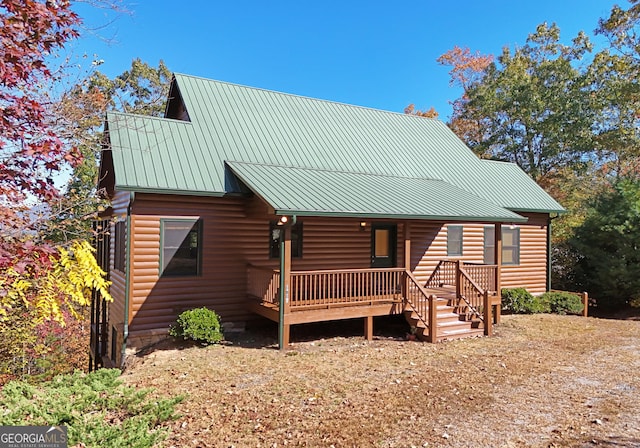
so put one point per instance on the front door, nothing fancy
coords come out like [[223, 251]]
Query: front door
[[383, 245]]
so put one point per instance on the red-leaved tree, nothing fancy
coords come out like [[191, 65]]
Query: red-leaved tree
[[39, 278]]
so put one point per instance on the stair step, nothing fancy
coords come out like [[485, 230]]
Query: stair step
[[453, 326], [451, 321], [460, 334]]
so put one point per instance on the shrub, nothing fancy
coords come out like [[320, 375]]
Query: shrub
[[561, 302], [521, 301], [200, 325], [96, 408], [516, 300]]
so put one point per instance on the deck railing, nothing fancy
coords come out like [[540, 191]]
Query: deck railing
[[474, 285], [446, 274], [327, 287], [443, 275], [483, 275], [263, 284], [472, 295], [344, 287]]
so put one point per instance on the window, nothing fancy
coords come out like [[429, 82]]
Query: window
[[454, 241], [181, 246], [510, 245], [274, 240], [120, 246]]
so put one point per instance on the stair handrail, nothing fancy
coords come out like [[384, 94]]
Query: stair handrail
[[433, 275], [427, 313], [407, 296], [480, 291], [439, 275]]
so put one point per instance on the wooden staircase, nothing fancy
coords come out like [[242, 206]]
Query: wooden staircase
[[452, 323]]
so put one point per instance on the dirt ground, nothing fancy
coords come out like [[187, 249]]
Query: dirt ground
[[542, 381]]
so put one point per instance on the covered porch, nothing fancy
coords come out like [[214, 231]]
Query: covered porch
[[459, 299], [455, 298]]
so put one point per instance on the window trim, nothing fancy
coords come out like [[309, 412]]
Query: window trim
[[490, 249], [199, 228], [516, 246], [296, 248], [450, 241]]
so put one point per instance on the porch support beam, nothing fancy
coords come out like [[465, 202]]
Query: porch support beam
[[285, 287], [368, 328], [407, 246], [497, 256]]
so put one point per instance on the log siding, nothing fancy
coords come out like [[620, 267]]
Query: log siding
[[236, 235]]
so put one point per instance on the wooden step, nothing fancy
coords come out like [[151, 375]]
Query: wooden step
[[450, 324], [460, 334]]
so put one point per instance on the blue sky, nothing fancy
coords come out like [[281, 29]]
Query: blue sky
[[378, 54]]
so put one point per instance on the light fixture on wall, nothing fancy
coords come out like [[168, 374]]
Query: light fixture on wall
[[363, 225], [283, 220]]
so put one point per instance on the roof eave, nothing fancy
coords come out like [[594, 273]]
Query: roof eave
[[538, 210], [176, 191], [356, 214]]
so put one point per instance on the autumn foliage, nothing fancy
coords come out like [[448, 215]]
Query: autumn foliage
[[42, 280]]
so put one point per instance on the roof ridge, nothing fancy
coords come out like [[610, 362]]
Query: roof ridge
[[507, 162], [147, 117], [328, 170], [320, 100]]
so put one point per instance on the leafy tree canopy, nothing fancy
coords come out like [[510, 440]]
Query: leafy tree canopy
[[607, 246]]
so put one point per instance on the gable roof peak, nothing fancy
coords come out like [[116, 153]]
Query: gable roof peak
[[177, 76]]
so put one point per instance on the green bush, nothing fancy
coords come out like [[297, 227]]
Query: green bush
[[516, 300], [200, 325], [521, 301], [97, 409], [561, 302]]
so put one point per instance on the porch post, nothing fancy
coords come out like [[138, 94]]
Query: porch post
[[458, 280], [407, 246], [497, 257], [407, 263], [285, 287], [497, 254], [368, 328], [486, 307]]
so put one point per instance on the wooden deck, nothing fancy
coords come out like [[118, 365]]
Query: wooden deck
[[316, 296]]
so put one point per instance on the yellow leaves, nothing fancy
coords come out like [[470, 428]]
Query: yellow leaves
[[13, 289], [69, 282]]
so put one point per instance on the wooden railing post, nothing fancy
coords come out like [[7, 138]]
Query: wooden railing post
[[585, 303], [433, 318], [458, 280], [488, 322]]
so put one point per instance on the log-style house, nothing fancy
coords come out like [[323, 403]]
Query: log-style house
[[258, 203]]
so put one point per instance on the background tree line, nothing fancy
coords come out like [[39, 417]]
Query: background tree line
[[569, 116]]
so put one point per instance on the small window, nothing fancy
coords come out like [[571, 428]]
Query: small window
[[120, 246], [510, 245], [181, 249], [274, 240], [454, 241]]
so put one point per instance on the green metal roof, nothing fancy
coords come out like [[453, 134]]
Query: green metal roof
[[242, 124], [316, 192]]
